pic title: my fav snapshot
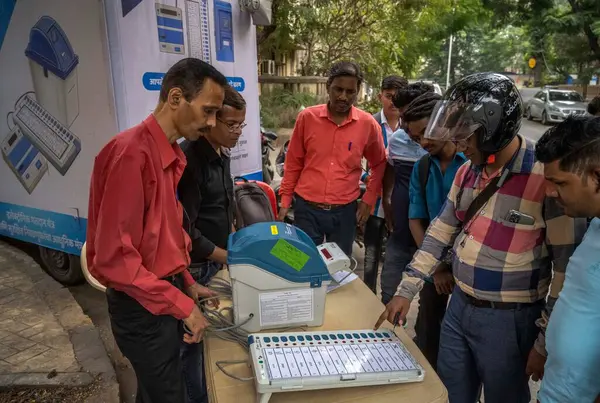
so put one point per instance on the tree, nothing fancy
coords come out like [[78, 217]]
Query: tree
[[563, 34], [383, 36]]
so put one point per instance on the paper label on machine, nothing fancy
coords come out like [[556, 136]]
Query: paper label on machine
[[286, 307]]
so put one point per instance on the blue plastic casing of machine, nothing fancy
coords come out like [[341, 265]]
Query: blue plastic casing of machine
[[50, 48], [224, 31], [271, 245]]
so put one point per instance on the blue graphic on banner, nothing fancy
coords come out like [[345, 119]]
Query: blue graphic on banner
[[256, 176], [46, 228], [152, 81], [237, 83], [6, 9]]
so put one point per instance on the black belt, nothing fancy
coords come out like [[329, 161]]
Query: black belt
[[176, 280], [480, 303], [324, 206]]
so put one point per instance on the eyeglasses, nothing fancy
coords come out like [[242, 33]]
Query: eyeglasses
[[233, 126]]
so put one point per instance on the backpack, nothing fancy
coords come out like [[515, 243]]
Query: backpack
[[252, 203], [424, 165]]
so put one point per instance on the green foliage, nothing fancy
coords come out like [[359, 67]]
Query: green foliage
[[372, 105], [279, 108], [480, 48], [383, 36], [410, 37], [563, 35]]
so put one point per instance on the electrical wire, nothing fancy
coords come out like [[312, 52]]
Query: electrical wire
[[351, 271], [7, 120], [222, 364], [222, 326], [220, 320]]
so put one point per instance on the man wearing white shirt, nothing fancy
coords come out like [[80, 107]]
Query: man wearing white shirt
[[389, 120], [402, 155]]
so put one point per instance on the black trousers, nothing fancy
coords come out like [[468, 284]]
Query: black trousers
[[374, 231], [337, 225], [432, 307], [151, 343]]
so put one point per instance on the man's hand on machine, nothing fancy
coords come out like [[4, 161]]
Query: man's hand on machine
[[198, 292], [397, 306], [195, 324]]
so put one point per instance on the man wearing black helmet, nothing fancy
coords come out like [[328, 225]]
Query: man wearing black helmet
[[507, 239]]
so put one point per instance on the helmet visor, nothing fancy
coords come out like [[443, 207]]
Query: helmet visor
[[452, 121]]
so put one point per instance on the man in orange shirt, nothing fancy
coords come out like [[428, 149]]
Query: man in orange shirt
[[323, 163]]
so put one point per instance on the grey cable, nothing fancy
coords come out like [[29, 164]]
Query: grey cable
[[351, 271], [222, 364], [222, 327], [220, 323]]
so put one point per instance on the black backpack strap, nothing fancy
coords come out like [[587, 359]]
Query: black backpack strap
[[485, 195], [424, 164]]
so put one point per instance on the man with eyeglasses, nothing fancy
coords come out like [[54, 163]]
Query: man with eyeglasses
[[206, 193]]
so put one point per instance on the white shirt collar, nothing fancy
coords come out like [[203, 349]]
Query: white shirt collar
[[384, 121]]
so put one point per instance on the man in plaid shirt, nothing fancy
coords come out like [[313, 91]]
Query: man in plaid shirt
[[506, 245]]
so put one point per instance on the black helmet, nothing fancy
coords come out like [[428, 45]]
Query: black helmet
[[487, 104]]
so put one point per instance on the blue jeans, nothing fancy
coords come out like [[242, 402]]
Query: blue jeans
[[397, 257], [192, 361], [337, 225], [489, 346], [192, 355]]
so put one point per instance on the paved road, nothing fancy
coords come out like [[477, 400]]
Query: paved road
[[93, 304], [532, 129]]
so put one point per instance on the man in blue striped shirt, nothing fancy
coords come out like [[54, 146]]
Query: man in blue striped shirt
[[389, 120], [402, 154]]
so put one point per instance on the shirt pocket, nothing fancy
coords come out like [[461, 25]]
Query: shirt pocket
[[349, 156], [514, 243]]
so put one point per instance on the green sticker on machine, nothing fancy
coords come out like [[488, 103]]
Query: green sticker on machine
[[288, 253]]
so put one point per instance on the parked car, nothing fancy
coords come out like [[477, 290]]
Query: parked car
[[552, 105]]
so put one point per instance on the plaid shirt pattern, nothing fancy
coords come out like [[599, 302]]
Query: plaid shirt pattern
[[495, 259]]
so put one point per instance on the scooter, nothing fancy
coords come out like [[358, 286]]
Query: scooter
[[267, 138]]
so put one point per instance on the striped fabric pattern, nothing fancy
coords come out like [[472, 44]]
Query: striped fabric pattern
[[495, 259]]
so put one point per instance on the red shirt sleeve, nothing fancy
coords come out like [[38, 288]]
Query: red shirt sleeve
[[294, 163], [188, 279], [118, 235], [375, 155]]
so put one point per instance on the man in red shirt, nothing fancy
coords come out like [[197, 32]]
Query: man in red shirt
[[136, 245], [323, 163]]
